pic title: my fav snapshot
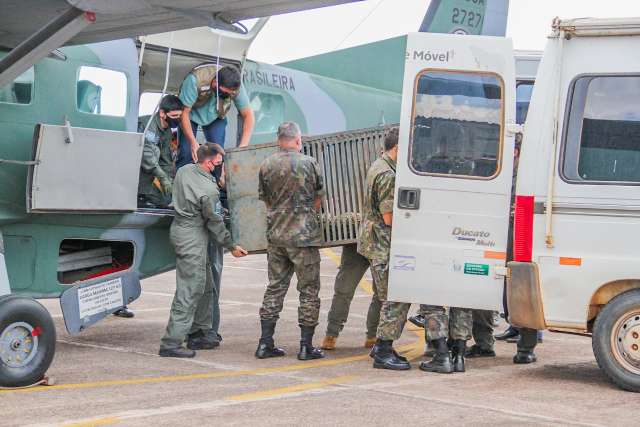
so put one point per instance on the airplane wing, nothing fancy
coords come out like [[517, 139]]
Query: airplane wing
[[31, 29], [116, 19]]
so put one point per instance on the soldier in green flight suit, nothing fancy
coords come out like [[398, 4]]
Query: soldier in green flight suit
[[291, 186], [195, 195], [374, 243], [156, 169], [208, 92]]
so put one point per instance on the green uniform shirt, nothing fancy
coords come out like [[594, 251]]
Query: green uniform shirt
[[374, 241], [208, 113], [157, 161], [195, 196], [289, 184]]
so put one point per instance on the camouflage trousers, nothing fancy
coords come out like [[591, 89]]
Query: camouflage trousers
[[283, 262], [456, 324], [393, 315], [350, 273], [484, 321]]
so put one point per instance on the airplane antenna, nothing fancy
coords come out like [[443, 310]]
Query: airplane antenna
[[359, 24]]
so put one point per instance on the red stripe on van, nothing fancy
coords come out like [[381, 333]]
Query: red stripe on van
[[523, 229]]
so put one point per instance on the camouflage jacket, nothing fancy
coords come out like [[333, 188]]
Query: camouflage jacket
[[157, 161], [289, 184], [374, 241]]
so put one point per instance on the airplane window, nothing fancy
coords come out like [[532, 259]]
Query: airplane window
[[20, 91], [457, 124], [101, 91], [603, 134], [269, 111]]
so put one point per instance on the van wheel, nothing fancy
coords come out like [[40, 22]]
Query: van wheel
[[27, 341], [616, 340]]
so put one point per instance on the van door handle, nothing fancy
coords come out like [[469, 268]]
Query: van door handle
[[409, 198]]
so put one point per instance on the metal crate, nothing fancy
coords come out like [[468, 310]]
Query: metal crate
[[344, 159]]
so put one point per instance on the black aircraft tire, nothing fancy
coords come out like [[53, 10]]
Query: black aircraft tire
[[27, 341], [615, 346]]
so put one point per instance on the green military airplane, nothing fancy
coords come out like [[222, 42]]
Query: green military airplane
[[69, 160], [69, 225]]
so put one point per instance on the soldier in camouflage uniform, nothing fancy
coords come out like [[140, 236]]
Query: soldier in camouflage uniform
[[484, 322], [194, 198], [291, 186], [156, 169], [374, 243], [442, 330]]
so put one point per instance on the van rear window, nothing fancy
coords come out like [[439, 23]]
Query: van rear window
[[457, 122], [603, 132]]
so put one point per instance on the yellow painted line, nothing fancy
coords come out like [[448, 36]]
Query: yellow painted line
[[96, 422], [238, 398], [203, 376], [290, 389]]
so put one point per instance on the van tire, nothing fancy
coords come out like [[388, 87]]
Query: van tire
[[27, 341], [614, 340]]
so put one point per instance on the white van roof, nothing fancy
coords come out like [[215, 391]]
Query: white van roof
[[596, 27]]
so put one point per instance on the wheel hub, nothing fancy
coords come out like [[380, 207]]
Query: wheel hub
[[18, 344], [627, 341]]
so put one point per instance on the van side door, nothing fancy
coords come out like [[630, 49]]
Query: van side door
[[454, 171]]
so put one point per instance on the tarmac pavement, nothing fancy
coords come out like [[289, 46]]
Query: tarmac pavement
[[111, 374]]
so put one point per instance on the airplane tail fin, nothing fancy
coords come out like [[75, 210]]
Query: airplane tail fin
[[478, 17]]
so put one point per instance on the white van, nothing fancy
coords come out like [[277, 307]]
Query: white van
[[577, 220]]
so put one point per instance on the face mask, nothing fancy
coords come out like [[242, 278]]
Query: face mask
[[224, 95], [173, 123]]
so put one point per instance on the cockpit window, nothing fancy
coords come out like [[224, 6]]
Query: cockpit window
[[101, 91]]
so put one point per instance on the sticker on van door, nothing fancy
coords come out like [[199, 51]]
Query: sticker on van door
[[476, 269], [404, 263]]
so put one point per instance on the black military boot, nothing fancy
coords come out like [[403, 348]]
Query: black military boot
[[477, 351], [307, 350], [385, 357], [526, 344], [266, 346], [376, 347], [457, 355], [510, 332], [417, 320], [200, 341], [179, 352], [441, 362], [124, 312]]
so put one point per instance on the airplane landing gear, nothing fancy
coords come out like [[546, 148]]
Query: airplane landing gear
[[27, 341]]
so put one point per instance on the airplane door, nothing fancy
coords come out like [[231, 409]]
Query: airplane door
[[84, 170], [454, 171]]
